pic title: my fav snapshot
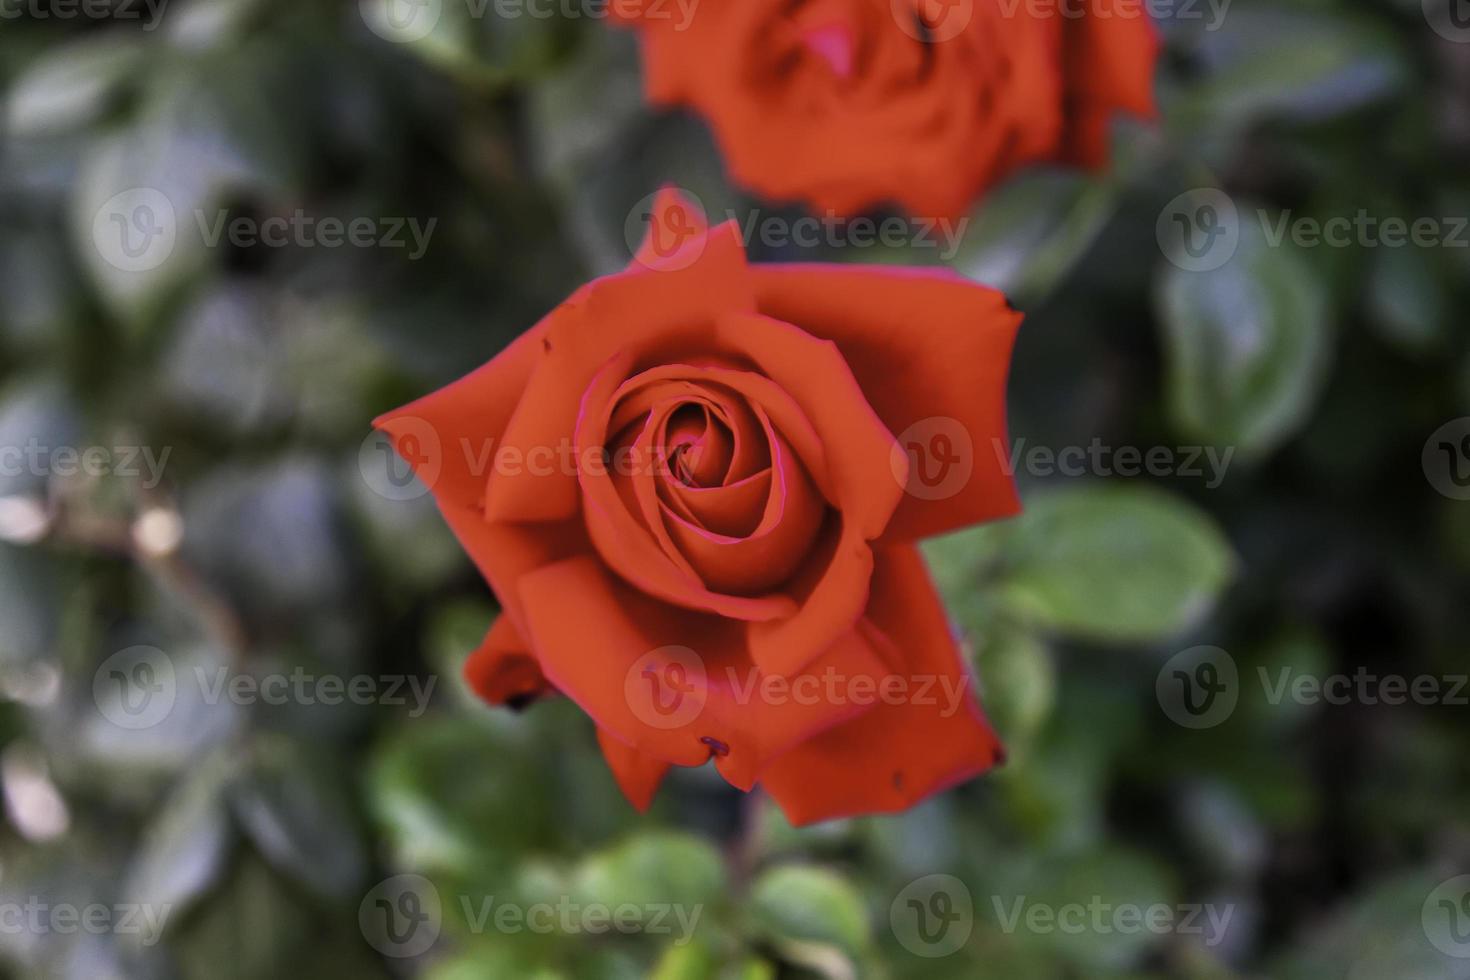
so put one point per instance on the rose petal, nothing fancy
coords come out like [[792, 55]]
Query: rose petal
[[652, 316], [1109, 67], [639, 550], [924, 345], [598, 638], [814, 373], [638, 775], [505, 552], [765, 558], [896, 754], [502, 671], [830, 596]]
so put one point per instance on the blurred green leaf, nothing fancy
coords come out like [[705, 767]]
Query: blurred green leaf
[[1018, 682], [473, 41], [1029, 232], [71, 85], [186, 846], [655, 868], [1114, 562], [435, 819], [809, 911], [1384, 931], [1255, 65], [30, 605], [1249, 343], [1068, 905], [298, 815], [1406, 299]]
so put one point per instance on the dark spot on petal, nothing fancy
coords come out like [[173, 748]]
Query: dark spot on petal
[[546, 343], [716, 746], [898, 781], [521, 701]]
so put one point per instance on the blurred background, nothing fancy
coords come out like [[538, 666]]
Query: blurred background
[[1226, 645]]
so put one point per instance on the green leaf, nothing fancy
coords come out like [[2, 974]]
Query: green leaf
[[802, 906], [661, 868], [463, 796], [472, 42], [1018, 685], [185, 847], [1255, 65], [30, 605], [1042, 902], [257, 928], [1029, 232], [1248, 343], [1385, 931], [145, 208], [71, 86], [1120, 563], [1406, 298], [692, 961], [299, 818]]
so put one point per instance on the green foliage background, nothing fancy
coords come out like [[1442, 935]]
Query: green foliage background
[[1325, 549]]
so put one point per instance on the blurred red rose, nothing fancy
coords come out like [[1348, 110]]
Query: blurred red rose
[[701, 525], [845, 104]]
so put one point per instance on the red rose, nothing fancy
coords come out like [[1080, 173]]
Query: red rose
[[846, 104], [702, 527]]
